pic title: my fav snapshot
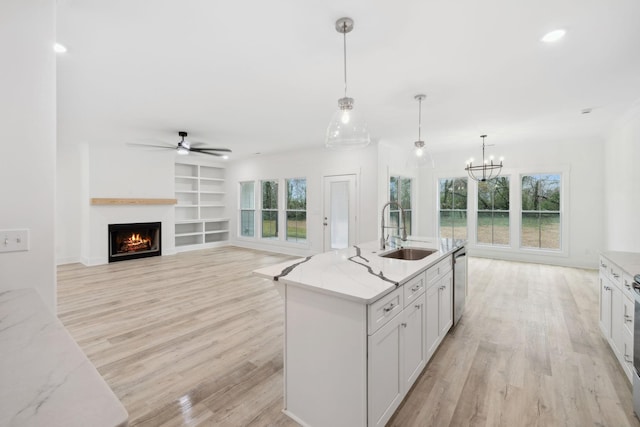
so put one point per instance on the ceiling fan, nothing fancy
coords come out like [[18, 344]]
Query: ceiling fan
[[185, 147]]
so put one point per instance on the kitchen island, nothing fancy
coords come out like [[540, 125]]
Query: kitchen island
[[360, 328]]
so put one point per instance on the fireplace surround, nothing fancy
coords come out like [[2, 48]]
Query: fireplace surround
[[134, 240]]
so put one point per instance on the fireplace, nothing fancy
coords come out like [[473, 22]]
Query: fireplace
[[137, 240]]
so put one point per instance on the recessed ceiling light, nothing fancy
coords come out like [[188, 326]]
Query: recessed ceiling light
[[225, 157], [553, 36], [59, 48]]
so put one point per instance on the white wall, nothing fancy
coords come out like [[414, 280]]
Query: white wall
[[312, 164], [582, 165], [28, 123], [622, 184], [87, 172]]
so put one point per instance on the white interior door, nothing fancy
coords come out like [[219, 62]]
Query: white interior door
[[340, 208]]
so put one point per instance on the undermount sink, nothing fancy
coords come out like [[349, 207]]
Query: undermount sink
[[408, 254]]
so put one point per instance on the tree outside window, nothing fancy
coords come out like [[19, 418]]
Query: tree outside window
[[453, 208], [270, 209], [541, 221], [493, 211], [296, 209], [247, 209]]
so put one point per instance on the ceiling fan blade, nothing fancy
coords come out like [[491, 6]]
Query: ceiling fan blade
[[150, 145], [226, 150]]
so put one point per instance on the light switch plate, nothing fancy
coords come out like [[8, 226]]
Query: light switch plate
[[14, 240]]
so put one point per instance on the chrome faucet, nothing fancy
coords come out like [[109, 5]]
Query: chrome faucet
[[383, 240]]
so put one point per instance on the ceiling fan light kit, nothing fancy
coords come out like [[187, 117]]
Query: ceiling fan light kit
[[486, 170], [346, 130]]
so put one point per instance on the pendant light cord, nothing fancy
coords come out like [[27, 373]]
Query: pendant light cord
[[420, 119], [344, 38]]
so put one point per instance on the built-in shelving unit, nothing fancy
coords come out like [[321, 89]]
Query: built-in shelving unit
[[200, 212]]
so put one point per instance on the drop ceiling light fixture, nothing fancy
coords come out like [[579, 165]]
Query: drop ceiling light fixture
[[420, 157], [486, 170], [346, 130], [553, 36]]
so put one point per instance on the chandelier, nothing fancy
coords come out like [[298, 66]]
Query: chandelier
[[486, 170]]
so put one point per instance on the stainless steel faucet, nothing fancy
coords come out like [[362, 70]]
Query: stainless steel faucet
[[383, 240]]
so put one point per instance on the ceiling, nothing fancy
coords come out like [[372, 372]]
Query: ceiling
[[265, 76]]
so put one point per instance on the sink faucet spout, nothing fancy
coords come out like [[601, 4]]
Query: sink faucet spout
[[403, 227]]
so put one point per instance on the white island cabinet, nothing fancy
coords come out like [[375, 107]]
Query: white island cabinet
[[357, 330], [617, 302]]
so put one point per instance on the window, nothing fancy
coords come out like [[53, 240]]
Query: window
[[540, 211], [247, 209], [493, 211], [269, 209], [453, 208], [400, 192], [296, 209]]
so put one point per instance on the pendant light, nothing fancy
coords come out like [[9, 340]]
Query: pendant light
[[346, 130], [485, 171], [419, 156]]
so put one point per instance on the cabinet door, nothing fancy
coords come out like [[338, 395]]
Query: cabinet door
[[605, 306], [628, 313], [385, 386], [432, 330], [415, 348], [627, 354], [617, 319], [445, 307]]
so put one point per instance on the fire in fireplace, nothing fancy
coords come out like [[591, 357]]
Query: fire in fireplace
[[136, 240]]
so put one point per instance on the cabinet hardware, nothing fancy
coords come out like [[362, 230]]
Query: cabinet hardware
[[628, 359], [388, 309], [602, 264], [418, 306], [404, 324], [627, 318], [415, 288], [616, 275]]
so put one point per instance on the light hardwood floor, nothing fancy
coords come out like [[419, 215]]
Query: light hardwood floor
[[194, 339]]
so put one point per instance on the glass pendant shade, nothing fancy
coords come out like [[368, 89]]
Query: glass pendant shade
[[420, 157], [346, 129]]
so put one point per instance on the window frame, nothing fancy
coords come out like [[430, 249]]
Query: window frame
[[393, 209], [287, 210], [242, 209], [466, 210], [492, 211], [264, 210], [562, 229]]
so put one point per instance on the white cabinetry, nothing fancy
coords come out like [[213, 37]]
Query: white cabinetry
[[396, 351], [617, 312], [200, 212], [439, 299]]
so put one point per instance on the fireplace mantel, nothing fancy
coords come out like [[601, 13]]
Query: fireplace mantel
[[134, 201]]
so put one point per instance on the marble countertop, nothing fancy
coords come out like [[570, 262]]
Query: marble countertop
[[45, 378], [358, 272], [629, 262]]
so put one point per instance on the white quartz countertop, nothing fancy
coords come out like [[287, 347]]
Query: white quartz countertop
[[358, 272], [629, 262], [45, 378]]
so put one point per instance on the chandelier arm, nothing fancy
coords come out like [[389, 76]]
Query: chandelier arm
[[420, 119]]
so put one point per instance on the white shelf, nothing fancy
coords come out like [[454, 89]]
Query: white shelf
[[200, 193]]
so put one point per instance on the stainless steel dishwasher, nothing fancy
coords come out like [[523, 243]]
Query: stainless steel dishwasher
[[459, 283]]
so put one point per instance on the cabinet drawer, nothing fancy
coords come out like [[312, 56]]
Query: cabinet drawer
[[414, 288], [438, 270], [628, 307], [615, 273], [627, 287], [385, 309]]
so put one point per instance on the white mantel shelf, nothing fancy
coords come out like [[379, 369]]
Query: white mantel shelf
[[131, 201]]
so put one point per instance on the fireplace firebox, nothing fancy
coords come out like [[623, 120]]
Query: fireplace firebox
[[135, 240]]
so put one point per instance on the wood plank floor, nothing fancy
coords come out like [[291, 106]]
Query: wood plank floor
[[195, 340]]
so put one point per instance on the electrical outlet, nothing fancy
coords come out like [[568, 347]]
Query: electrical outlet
[[14, 240]]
